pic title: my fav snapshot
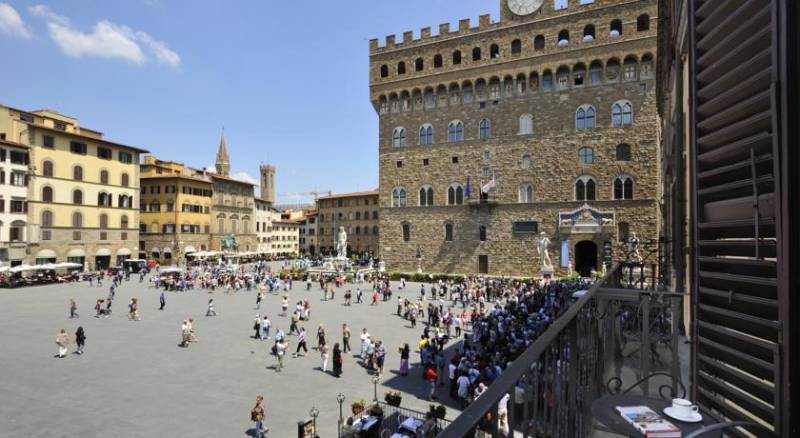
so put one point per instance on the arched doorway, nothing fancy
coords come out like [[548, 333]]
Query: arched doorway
[[585, 257]]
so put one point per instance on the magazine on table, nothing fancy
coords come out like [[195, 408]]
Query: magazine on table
[[648, 422]]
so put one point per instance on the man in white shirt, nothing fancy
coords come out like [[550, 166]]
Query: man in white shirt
[[463, 390], [502, 414], [364, 340]]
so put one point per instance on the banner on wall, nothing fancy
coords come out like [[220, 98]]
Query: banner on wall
[[565, 253]]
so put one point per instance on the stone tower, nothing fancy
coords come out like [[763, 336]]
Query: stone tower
[[267, 183], [223, 163]]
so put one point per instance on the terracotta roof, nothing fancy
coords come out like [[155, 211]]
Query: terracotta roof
[[227, 178], [350, 195], [15, 144], [175, 176], [85, 137]]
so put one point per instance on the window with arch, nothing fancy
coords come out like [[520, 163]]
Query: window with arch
[[588, 32], [375, 215], [585, 118], [560, 4], [538, 42], [643, 23], [406, 232], [399, 197], [622, 114], [526, 162], [384, 71], [47, 168], [437, 61], [595, 73], [525, 193], [455, 195], [104, 200], [358, 229], [525, 124], [426, 196], [494, 51], [586, 155], [586, 189], [615, 28], [547, 81], [401, 68], [125, 180], [485, 129], [448, 232], [103, 221], [123, 222], [399, 137], [476, 54], [103, 177], [419, 64], [455, 131], [77, 173], [457, 57], [375, 230], [426, 134], [77, 197], [46, 222], [623, 152], [77, 220], [47, 194], [516, 47], [563, 38], [623, 187], [629, 69]]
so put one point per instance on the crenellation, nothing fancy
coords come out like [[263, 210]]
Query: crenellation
[[464, 25], [484, 21], [373, 45], [425, 33], [390, 41], [444, 29]]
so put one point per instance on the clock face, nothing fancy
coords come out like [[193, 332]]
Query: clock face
[[524, 7]]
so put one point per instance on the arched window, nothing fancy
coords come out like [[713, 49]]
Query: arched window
[[103, 177], [426, 134], [547, 81], [123, 222], [358, 215], [516, 47], [455, 131], [47, 168], [77, 173], [103, 200], [457, 57], [47, 218], [375, 215], [437, 61], [623, 231], [595, 73], [399, 137], [399, 197], [455, 195], [586, 155], [47, 194], [426, 196], [538, 42], [525, 193], [526, 162], [622, 114], [103, 221], [401, 68], [125, 180], [629, 68], [384, 71], [588, 32], [448, 232], [476, 54], [584, 118], [623, 187], [615, 29], [419, 64], [375, 230], [525, 124], [494, 51], [485, 129], [560, 4], [643, 23], [406, 231], [623, 152], [647, 71], [77, 197], [358, 229], [563, 38], [585, 189], [77, 220]]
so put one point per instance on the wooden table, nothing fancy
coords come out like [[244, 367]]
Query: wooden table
[[603, 410]]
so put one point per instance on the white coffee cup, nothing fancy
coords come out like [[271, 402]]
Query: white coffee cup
[[684, 408]]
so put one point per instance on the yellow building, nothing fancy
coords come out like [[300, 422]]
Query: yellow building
[[175, 210], [82, 192]]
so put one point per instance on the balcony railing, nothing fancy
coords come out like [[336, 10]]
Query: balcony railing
[[621, 332]]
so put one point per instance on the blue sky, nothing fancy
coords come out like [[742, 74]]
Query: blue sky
[[287, 80]]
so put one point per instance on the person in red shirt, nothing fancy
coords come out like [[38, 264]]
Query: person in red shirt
[[374, 297], [431, 376]]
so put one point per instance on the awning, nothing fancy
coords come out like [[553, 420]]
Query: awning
[[168, 250], [123, 252], [76, 252], [103, 252], [188, 249], [46, 254], [155, 250]]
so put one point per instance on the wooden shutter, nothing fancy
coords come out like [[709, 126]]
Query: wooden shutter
[[740, 302]]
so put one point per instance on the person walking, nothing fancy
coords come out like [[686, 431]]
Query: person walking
[[404, 354], [321, 337], [62, 341], [324, 354], [211, 311], [73, 309], [185, 334], [162, 300], [80, 340], [280, 351], [257, 327], [337, 360], [257, 415], [346, 338], [430, 376], [364, 341], [265, 326], [301, 342], [380, 356], [258, 301]]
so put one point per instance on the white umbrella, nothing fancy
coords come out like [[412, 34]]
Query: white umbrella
[[170, 269], [21, 268], [4, 268]]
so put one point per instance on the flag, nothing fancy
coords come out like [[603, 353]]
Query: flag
[[489, 185], [468, 190]]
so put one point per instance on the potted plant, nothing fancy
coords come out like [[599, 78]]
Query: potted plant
[[393, 398], [358, 406]]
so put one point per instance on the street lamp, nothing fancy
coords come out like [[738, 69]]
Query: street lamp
[[375, 381], [340, 399], [314, 412]]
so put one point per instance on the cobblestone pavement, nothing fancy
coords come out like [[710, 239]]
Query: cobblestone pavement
[[134, 380]]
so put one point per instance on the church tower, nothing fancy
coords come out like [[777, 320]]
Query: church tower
[[267, 183], [223, 163]]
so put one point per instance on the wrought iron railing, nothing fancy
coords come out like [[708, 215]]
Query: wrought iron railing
[[392, 417]]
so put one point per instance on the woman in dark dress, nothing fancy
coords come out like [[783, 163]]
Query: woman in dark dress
[[80, 340], [337, 360]]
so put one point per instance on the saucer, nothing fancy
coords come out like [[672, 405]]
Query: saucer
[[694, 418]]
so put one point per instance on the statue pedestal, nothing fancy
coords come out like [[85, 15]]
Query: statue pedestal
[[419, 266], [381, 266], [547, 271]]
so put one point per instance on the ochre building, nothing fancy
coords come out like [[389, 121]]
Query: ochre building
[[358, 213], [551, 110]]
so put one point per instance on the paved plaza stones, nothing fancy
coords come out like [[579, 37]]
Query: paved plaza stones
[[134, 380]]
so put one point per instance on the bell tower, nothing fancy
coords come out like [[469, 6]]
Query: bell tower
[[267, 183], [223, 163]]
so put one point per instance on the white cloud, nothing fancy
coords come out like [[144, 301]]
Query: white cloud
[[11, 23], [107, 40]]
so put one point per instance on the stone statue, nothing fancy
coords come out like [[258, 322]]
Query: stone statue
[[341, 244], [544, 252], [633, 249]]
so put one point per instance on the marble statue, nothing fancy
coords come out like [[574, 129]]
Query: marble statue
[[633, 249], [341, 244], [544, 252]]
